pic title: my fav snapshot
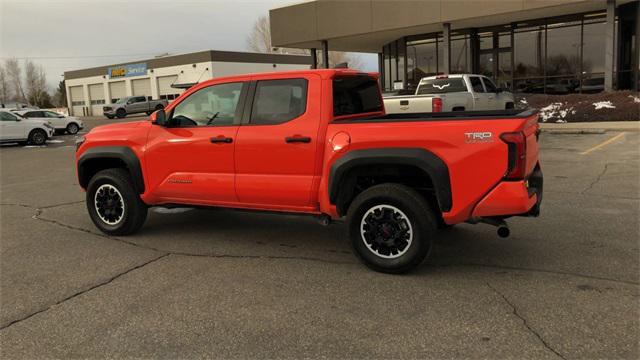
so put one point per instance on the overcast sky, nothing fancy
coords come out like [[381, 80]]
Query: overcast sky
[[71, 34]]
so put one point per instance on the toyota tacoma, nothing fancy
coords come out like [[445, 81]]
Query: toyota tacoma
[[317, 142]]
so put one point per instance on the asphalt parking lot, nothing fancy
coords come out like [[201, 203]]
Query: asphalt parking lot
[[217, 283]]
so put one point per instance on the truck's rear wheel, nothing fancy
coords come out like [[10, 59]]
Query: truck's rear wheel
[[391, 227], [121, 113], [114, 205]]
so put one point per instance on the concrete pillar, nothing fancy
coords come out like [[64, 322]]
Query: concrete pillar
[[314, 58], [155, 93], [446, 48], [86, 98], [325, 54], [609, 45], [107, 92], [66, 88], [128, 88]]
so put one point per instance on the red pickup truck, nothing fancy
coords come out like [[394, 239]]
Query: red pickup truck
[[317, 142]]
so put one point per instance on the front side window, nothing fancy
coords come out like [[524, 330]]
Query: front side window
[[213, 105], [489, 85], [5, 116], [141, 99], [279, 101], [476, 84]]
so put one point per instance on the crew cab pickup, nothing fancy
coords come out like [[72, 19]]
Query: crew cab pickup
[[133, 105], [458, 92], [317, 142]]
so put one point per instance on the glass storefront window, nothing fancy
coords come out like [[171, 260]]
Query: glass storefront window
[[423, 56], [528, 51], [563, 49], [401, 59], [593, 43], [460, 54]]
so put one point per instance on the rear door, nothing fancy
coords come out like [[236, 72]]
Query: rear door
[[276, 144]]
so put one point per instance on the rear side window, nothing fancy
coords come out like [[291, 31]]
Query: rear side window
[[442, 86], [279, 101], [476, 84], [355, 95]]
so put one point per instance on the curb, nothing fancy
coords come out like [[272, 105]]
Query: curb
[[574, 131]]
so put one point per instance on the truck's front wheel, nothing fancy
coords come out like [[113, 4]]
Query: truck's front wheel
[[114, 205], [121, 113], [391, 227]]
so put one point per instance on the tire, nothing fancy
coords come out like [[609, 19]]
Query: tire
[[121, 113], [159, 107], [509, 106], [72, 128], [410, 217], [113, 203], [37, 137]]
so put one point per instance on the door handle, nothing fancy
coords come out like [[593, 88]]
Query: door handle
[[297, 139], [221, 139]]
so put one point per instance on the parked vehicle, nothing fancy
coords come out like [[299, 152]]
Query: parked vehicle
[[15, 128], [62, 123], [13, 106], [133, 105], [458, 92], [592, 86], [317, 142]]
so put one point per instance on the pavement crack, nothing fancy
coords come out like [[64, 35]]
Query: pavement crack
[[39, 212], [84, 291], [524, 321], [606, 167], [545, 271]]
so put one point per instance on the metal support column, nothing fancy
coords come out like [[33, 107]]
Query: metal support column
[[609, 45], [314, 58], [446, 48], [325, 54]]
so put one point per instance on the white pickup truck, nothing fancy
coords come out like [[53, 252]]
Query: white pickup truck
[[457, 92]]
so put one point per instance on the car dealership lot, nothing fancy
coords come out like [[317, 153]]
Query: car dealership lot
[[218, 283]]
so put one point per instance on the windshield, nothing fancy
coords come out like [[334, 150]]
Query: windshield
[[441, 86]]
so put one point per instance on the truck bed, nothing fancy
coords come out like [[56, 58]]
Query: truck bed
[[510, 114]]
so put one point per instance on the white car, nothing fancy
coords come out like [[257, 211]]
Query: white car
[[456, 92], [15, 128], [62, 123]]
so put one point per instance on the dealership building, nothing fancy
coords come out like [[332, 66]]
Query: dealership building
[[532, 46], [165, 77]]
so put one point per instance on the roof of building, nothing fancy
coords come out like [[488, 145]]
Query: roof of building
[[197, 57]]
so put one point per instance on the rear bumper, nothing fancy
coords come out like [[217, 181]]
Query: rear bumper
[[513, 198]]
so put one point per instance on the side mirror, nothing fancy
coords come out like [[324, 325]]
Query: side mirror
[[159, 117]]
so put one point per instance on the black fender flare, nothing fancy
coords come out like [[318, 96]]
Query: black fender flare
[[123, 153], [427, 161]]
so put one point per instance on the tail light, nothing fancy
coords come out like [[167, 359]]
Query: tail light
[[517, 164], [436, 105]]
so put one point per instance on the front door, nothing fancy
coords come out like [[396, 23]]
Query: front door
[[192, 159], [277, 146], [11, 128], [480, 95]]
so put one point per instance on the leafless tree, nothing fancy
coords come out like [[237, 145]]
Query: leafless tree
[[259, 40], [14, 75], [36, 83], [4, 86]]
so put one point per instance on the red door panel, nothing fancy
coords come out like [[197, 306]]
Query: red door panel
[[183, 164]]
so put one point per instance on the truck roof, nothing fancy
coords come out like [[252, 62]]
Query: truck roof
[[324, 73]]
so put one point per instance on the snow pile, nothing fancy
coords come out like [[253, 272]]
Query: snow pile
[[524, 102], [636, 99], [556, 111], [603, 105]]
